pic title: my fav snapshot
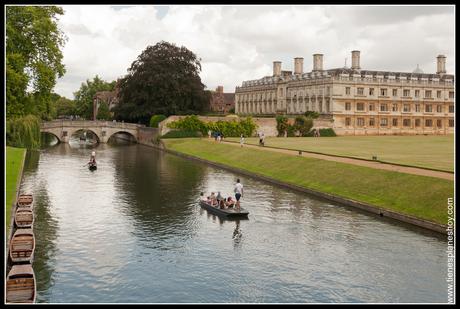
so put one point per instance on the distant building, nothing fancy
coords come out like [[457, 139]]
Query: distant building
[[109, 97], [357, 101], [221, 102]]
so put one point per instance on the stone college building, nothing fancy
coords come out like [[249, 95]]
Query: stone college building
[[356, 101]]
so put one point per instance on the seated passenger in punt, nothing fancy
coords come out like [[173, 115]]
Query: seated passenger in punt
[[222, 204], [213, 199], [230, 203]]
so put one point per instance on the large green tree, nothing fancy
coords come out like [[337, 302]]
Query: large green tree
[[65, 107], [33, 59], [163, 80], [103, 113], [85, 95]]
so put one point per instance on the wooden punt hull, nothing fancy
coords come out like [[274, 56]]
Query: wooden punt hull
[[25, 200], [22, 246], [24, 217], [21, 285], [93, 167], [228, 213]]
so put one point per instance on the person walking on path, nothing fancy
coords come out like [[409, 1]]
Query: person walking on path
[[242, 140], [238, 193]]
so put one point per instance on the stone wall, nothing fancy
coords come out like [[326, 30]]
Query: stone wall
[[147, 136]]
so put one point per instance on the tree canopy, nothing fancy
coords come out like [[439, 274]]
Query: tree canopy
[[33, 59], [103, 112], [84, 96], [163, 80]]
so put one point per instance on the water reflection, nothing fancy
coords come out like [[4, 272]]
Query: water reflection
[[133, 231]]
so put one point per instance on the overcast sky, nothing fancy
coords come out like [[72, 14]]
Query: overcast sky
[[237, 43]]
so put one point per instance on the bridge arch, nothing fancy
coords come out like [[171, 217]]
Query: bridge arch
[[73, 132], [124, 132], [51, 134]]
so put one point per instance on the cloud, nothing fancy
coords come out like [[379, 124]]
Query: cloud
[[237, 43]]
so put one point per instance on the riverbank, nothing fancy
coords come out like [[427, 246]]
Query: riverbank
[[415, 199], [14, 164]]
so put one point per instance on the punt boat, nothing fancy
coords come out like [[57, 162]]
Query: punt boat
[[20, 284], [24, 217], [93, 166], [228, 213], [22, 246], [25, 200]]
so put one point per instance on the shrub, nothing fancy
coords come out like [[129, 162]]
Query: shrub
[[291, 130], [303, 125], [182, 134], [329, 132], [189, 123], [281, 125], [156, 119], [23, 132]]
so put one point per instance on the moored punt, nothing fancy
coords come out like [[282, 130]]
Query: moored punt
[[22, 246], [24, 217], [20, 284], [228, 213], [25, 200]]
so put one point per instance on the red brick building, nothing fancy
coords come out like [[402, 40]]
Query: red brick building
[[109, 97], [222, 102]]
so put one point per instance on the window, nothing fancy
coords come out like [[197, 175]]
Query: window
[[371, 91], [417, 108], [360, 122], [394, 108], [406, 122], [384, 122], [439, 123], [417, 122], [347, 90], [427, 93], [451, 123], [438, 94], [451, 108], [406, 92], [361, 91], [417, 93], [406, 107], [428, 123], [383, 91], [347, 106], [281, 92], [383, 107], [428, 108], [371, 107], [395, 122], [395, 92], [451, 94], [439, 108], [348, 121], [371, 122], [359, 106]]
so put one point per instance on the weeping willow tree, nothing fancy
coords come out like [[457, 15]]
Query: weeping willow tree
[[23, 132]]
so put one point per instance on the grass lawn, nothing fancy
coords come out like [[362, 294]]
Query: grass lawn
[[432, 151], [14, 162], [419, 196]]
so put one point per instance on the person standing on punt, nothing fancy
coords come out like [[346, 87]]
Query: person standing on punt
[[238, 193]]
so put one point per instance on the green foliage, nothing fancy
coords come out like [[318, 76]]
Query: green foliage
[[33, 58], [65, 107], [311, 114], [103, 113], [291, 131], [182, 134], [85, 95], [231, 110], [156, 119], [303, 125], [23, 132], [231, 128], [281, 125], [329, 132], [163, 80]]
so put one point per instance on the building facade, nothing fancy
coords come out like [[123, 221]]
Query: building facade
[[221, 102], [357, 101]]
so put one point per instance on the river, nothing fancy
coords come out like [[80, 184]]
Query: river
[[133, 232]]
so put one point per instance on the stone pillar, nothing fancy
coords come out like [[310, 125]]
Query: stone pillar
[[441, 67], [317, 62], [355, 60], [298, 65], [276, 68]]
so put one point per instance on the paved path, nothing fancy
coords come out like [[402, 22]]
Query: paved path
[[377, 165]]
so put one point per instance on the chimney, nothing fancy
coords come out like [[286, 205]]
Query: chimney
[[276, 68], [220, 89], [298, 65], [355, 60], [441, 64], [317, 62]]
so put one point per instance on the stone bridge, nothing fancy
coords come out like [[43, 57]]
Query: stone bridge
[[64, 129]]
